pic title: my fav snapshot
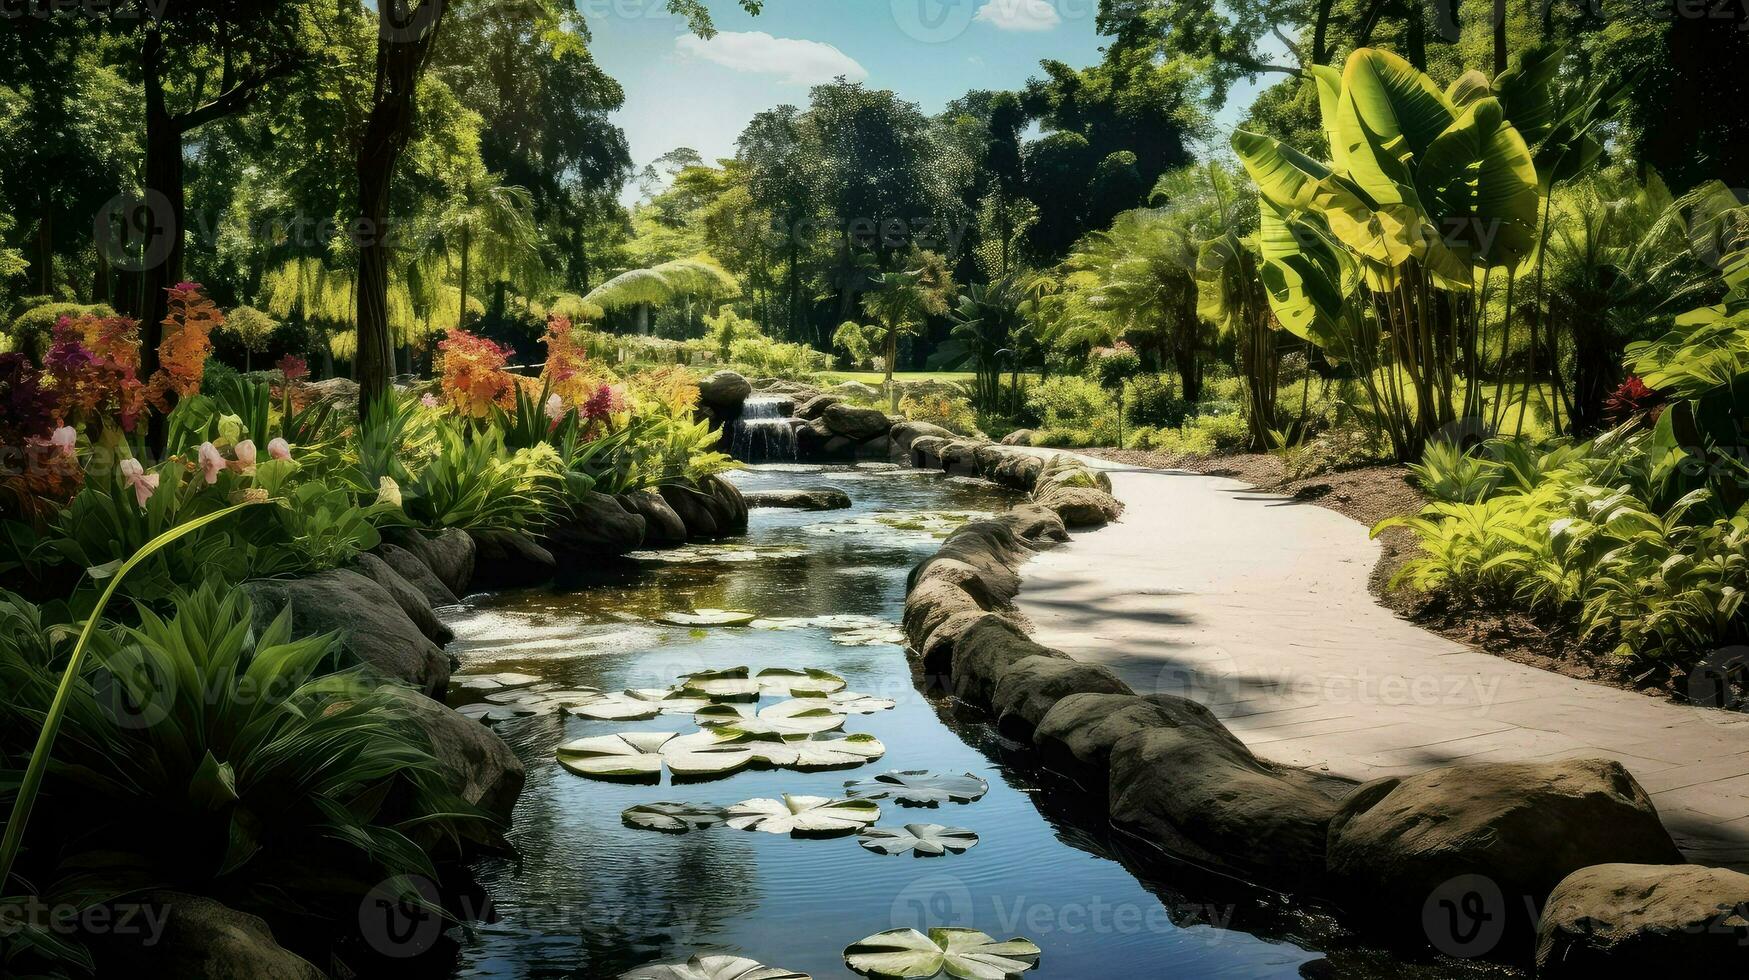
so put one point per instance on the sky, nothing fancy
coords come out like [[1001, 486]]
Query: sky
[[684, 91]]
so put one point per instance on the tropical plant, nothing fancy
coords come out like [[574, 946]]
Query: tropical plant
[[990, 323], [898, 303], [698, 277], [474, 481]]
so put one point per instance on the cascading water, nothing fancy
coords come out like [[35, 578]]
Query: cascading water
[[764, 432]]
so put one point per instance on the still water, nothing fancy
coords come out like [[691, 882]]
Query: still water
[[591, 897]]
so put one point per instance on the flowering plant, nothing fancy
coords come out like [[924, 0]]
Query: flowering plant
[[474, 378], [187, 343]]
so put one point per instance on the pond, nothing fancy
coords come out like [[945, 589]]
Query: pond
[[592, 897]]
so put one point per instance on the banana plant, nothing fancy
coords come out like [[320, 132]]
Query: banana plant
[[1381, 255]]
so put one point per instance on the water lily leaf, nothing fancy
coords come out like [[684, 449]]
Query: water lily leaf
[[672, 818], [815, 753], [713, 968], [965, 954], [670, 700], [492, 682], [492, 714], [732, 684], [803, 816], [782, 680], [710, 617], [795, 717], [918, 787], [695, 758], [868, 636], [626, 755], [617, 707], [921, 839], [855, 703]]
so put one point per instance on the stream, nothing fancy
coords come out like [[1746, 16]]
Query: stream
[[592, 897]]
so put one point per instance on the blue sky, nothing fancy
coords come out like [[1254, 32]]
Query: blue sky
[[681, 91]]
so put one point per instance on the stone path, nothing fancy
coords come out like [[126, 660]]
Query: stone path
[[1258, 606]]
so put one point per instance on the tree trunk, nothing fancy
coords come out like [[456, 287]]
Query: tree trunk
[[408, 29], [163, 241], [1321, 33], [461, 316], [1499, 26], [45, 245]]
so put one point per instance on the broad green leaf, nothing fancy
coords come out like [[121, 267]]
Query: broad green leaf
[[964, 954], [917, 787], [672, 818], [803, 816], [1480, 189], [1388, 116], [920, 839]]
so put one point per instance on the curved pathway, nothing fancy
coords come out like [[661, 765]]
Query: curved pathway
[[1257, 605]]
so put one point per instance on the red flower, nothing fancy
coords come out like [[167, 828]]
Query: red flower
[[1632, 400], [293, 367]]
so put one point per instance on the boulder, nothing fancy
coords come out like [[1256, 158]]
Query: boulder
[[855, 391], [816, 406], [505, 559], [1078, 506], [1491, 837], [1075, 737], [340, 394], [373, 630], [694, 510], [727, 504], [989, 546], [800, 498], [1068, 470], [880, 447], [201, 939], [929, 604], [966, 578], [663, 528], [839, 448], [960, 457], [856, 424], [724, 392], [1034, 524], [936, 653], [801, 391], [985, 651], [926, 451], [1637, 920], [449, 553], [476, 764], [411, 600], [1019, 437], [1030, 688], [417, 574], [815, 441], [595, 526], [1194, 791], [1017, 471], [905, 433]]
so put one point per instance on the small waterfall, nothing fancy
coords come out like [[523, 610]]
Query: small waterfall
[[764, 432]]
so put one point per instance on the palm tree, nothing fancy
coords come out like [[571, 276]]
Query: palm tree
[[496, 223], [992, 322], [899, 302], [699, 277]]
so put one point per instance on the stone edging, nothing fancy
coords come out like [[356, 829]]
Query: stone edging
[[1464, 859]]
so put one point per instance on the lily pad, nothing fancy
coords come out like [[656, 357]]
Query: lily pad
[[710, 617], [617, 707], [782, 680], [672, 700], [492, 682], [855, 703], [821, 753], [796, 717], [640, 756], [918, 787], [672, 818], [921, 839], [966, 954], [713, 968], [729, 684], [869, 636], [803, 816], [492, 714]]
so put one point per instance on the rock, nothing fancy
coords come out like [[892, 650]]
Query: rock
[[904, 433], [1019, 437], [726, 503], [1199, 794], [816, 406], [1068, 470], [989, 546], [815, 441], [339, 393], [1036, 525], [476, 764], [417, 574], [693, 510], [960, 457], [926, 451], [800, 498], [1079, 506], [371, 625], [449, 553], [724, 392], [201, 939], [855, 391], [1030, 688], [1017, 471], [984, 653], [505, 559], [1075, 737], [1636, 920], [840, 448], [411, 600], [801, 391], [987, 456], [663, 528], [856, 424], [595, 526], [936, 653], [880, 447], [1494, 836], [929, 604], [966, 578]]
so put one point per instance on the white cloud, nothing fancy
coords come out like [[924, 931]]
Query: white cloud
[[797, 61], [1019, 15]]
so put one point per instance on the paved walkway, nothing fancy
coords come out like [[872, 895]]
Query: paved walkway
[[1258, 606]]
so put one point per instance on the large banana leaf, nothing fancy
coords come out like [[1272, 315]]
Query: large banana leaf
[[1480, 188], [1388, 116], [1329, 82], [1308, 277], [1469, 87], [1526, 90]]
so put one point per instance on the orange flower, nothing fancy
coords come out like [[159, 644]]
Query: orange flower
[[187, 343], [474, 378]]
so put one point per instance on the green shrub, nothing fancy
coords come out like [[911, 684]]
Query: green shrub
[[32, 329], [1153, 401], [474, 481], [953, 414], [1068, 402], [1446, 472]]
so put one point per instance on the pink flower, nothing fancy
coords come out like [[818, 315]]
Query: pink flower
[[245, 452], [144, 484], [429, 400], [64, 439], [211, 462], [279, 449], [555, 408]]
